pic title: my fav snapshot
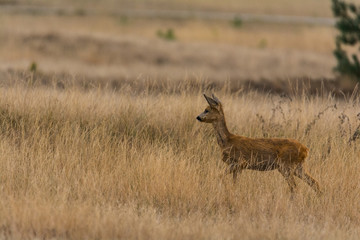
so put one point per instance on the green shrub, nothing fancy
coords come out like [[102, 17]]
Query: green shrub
[[169, 34], [33, 67], [237, 22], [348, 24]]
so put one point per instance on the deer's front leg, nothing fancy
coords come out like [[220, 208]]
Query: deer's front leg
[[233, 168]]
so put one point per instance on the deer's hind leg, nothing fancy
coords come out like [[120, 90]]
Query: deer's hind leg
[[301, 173]]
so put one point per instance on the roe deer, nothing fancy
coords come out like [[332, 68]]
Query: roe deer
[[262, 154]]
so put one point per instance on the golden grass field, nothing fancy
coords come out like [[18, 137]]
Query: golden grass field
[[99, 164], [98, 136]]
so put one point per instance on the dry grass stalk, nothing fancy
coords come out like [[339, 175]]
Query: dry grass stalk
[[356, 134], [317, 117]]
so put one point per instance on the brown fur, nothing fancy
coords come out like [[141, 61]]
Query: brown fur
[[261, 154]]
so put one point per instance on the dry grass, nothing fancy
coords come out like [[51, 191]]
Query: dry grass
[[118, 154], [101, 165]]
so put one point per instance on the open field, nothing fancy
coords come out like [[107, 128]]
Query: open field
[[98, 136], [99, 164], [112, 47]]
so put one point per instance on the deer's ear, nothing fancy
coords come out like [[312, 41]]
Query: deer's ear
[[211, 101], [216, 99]]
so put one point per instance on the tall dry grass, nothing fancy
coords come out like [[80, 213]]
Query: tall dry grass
[[98, 164]]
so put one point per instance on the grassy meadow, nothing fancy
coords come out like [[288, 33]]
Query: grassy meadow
[[98, 136], [101, 164]]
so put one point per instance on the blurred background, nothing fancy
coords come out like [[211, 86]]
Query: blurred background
[[112, 41]]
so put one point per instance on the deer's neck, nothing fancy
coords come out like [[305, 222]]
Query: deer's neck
[[222, 132]]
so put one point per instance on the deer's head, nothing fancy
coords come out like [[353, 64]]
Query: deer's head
[[213, 112]]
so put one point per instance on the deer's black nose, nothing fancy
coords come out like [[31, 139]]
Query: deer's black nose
[[198, 118]]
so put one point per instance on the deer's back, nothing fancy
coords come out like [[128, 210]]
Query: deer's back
[[267, 150]]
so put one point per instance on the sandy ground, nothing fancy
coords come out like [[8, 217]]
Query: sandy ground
[[127, 57], [102, 47]]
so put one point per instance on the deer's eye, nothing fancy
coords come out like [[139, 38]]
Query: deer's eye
[[206, 111]]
